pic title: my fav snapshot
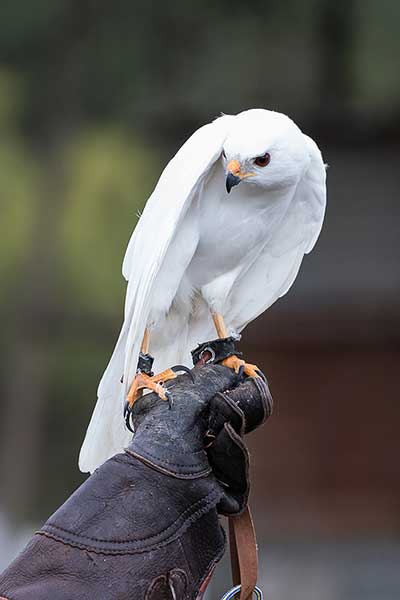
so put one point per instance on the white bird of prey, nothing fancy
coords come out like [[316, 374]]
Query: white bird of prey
[[201, 257]]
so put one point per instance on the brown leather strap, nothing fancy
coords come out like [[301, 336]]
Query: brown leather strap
[[244, 558]]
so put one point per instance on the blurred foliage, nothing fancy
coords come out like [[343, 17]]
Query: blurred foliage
[[18, 181], [19, 174], [108, 180], [69, 207], [162, 67], [377, 58]]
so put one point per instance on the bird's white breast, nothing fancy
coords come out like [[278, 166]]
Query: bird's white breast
[[233, 228]]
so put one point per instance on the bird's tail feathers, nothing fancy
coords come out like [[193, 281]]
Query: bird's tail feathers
[[106, 434]]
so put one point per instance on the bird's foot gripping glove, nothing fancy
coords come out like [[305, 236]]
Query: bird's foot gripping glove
[[145, 379], [145, 524], [223, 351]]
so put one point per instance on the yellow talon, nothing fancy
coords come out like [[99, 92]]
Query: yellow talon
[[145, 382], [235, 363], [251, 370]]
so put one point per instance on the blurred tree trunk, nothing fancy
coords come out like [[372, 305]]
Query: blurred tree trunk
[[337, 29], [24, 393]]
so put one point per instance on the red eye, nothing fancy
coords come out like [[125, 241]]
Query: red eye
[[262, 161]]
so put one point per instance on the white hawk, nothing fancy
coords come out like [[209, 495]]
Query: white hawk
[[201, 257]]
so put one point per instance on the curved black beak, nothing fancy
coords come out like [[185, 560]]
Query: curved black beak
[[231, 181]]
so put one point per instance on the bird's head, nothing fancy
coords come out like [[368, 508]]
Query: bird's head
[[264, 149]]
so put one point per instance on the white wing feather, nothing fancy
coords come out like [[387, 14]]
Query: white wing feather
[[146, 250]]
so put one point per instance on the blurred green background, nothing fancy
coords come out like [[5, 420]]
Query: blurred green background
[[95, 97]]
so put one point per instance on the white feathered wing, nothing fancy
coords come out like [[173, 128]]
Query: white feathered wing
[[164, 210]]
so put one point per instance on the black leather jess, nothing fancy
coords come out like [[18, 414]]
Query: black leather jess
[[145, 524]]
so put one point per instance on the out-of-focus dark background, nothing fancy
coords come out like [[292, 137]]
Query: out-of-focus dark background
[[95, 97]]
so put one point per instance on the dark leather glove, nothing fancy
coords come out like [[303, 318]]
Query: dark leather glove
[[145, 524]]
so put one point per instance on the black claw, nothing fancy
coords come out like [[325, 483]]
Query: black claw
[[183, 369], [261, 374], [240, 373], [169, 399], [126, 409], [127, 416]]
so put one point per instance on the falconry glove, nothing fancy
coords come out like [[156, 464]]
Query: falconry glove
[[145, 524]]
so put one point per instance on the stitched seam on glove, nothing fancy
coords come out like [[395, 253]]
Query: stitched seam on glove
[[168, 462], [177, 475], [142, 544]]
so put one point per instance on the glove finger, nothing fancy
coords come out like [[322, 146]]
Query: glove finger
[[204, 382], [254, 399]]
